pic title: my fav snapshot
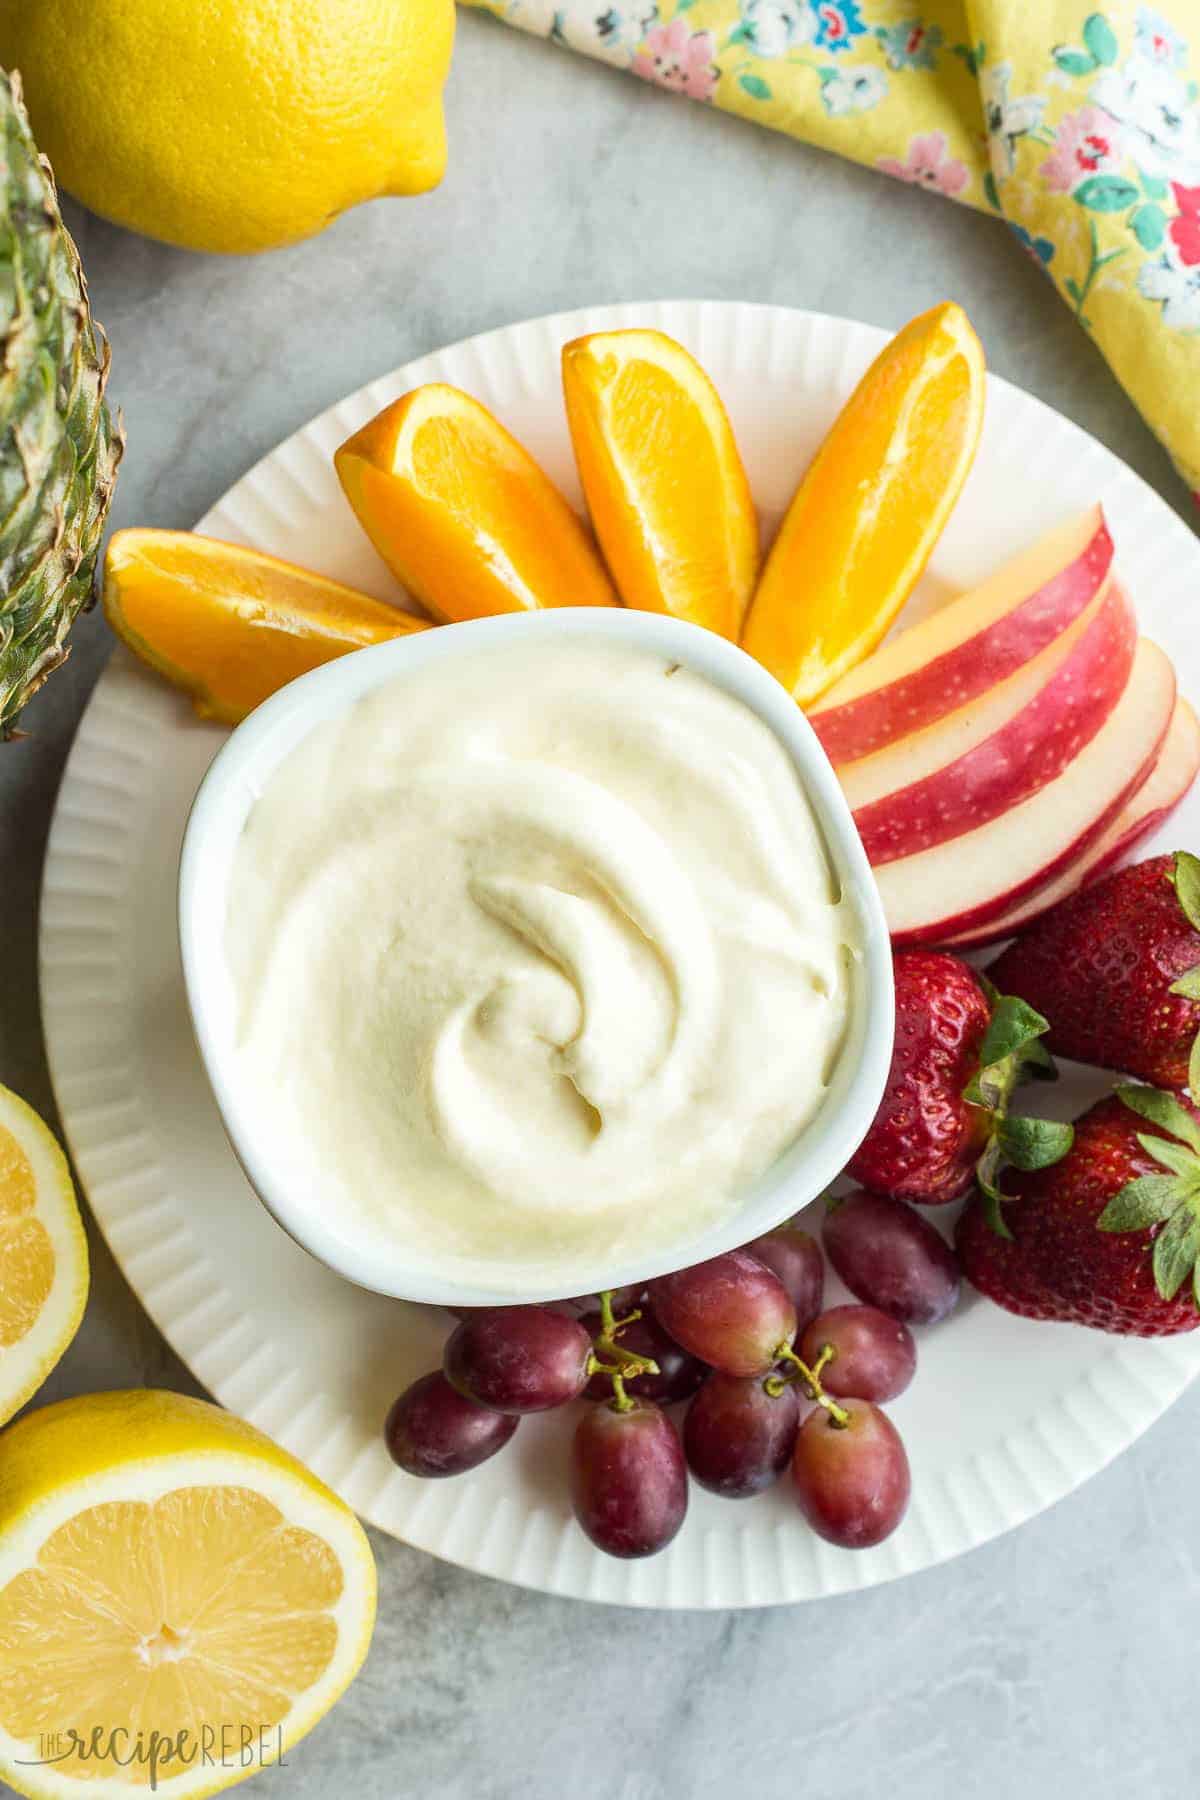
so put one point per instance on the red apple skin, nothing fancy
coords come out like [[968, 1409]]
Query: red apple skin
[[956, 887], [869, 721], [1168, 781], [1033, 748]]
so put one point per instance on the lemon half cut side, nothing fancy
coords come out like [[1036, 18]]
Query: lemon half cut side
[[43, 1254], [180, 1599]]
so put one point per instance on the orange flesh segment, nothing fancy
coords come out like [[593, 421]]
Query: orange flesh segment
[[868, 512], [1080, 549], [663, 477], [461, 513], [199, 1608], [229, 625]]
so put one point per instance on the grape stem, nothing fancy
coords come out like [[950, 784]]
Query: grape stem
[[620, 1365], [775, 1383]]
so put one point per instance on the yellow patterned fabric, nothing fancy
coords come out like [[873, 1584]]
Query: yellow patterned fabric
[[1080, 127]]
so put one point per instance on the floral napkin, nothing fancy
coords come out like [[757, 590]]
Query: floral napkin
[[1080, 127]]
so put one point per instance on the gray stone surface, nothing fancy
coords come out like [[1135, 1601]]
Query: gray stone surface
[[1059, 1660]]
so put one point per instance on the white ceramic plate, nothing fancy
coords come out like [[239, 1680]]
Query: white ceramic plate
[[1004, 1418]]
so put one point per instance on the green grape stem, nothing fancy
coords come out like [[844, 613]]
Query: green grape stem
[[618, 1364], [775, 1383]]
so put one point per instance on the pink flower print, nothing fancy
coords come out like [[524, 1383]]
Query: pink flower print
[[1087, 143], [927, 165], [679, 59]]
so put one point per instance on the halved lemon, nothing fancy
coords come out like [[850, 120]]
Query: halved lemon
[[180, 1599], [663, 478], [43, 1254]]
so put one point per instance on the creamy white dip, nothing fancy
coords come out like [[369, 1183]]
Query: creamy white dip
[[538, 953]]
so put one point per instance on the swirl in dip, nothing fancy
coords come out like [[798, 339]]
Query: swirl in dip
[[538, 954]]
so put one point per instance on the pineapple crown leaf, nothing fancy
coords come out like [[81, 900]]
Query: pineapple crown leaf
[[64, 445], [1012, 1049], [1170, 1200]]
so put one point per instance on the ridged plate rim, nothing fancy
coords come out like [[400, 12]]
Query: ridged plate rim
[[137, 1182]]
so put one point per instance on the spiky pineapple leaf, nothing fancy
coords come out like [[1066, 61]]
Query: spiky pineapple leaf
[[59, 448]]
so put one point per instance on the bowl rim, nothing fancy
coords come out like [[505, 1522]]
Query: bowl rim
[[236, 778]]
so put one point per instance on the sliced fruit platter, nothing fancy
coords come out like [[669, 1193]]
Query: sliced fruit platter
[[1004, 744]]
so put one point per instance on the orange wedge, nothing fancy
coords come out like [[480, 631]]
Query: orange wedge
[[663, 478], [232, 626], [461, 513], [872, 505]]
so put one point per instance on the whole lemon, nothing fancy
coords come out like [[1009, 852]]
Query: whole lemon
[[233, 125]]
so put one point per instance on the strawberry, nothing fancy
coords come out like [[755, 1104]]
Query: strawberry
[[960, 1049], [1116, 970], [1109, 1236]]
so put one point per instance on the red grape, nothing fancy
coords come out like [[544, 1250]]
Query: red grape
[[888, 1255], [679, 1374], [795, 1256], [873, 1356], [434, 1431], [628, 1478], [851, 1481], [737, 1437], [518, 1359], [732, 1312]]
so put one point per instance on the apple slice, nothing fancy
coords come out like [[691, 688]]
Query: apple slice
[[987, 757], [959, 885], [969, 645], [1168, 781]]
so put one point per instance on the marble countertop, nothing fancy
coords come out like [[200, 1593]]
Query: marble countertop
[[1064, 1651]]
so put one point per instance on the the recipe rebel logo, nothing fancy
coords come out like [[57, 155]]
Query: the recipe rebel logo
[[98, 1750]]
